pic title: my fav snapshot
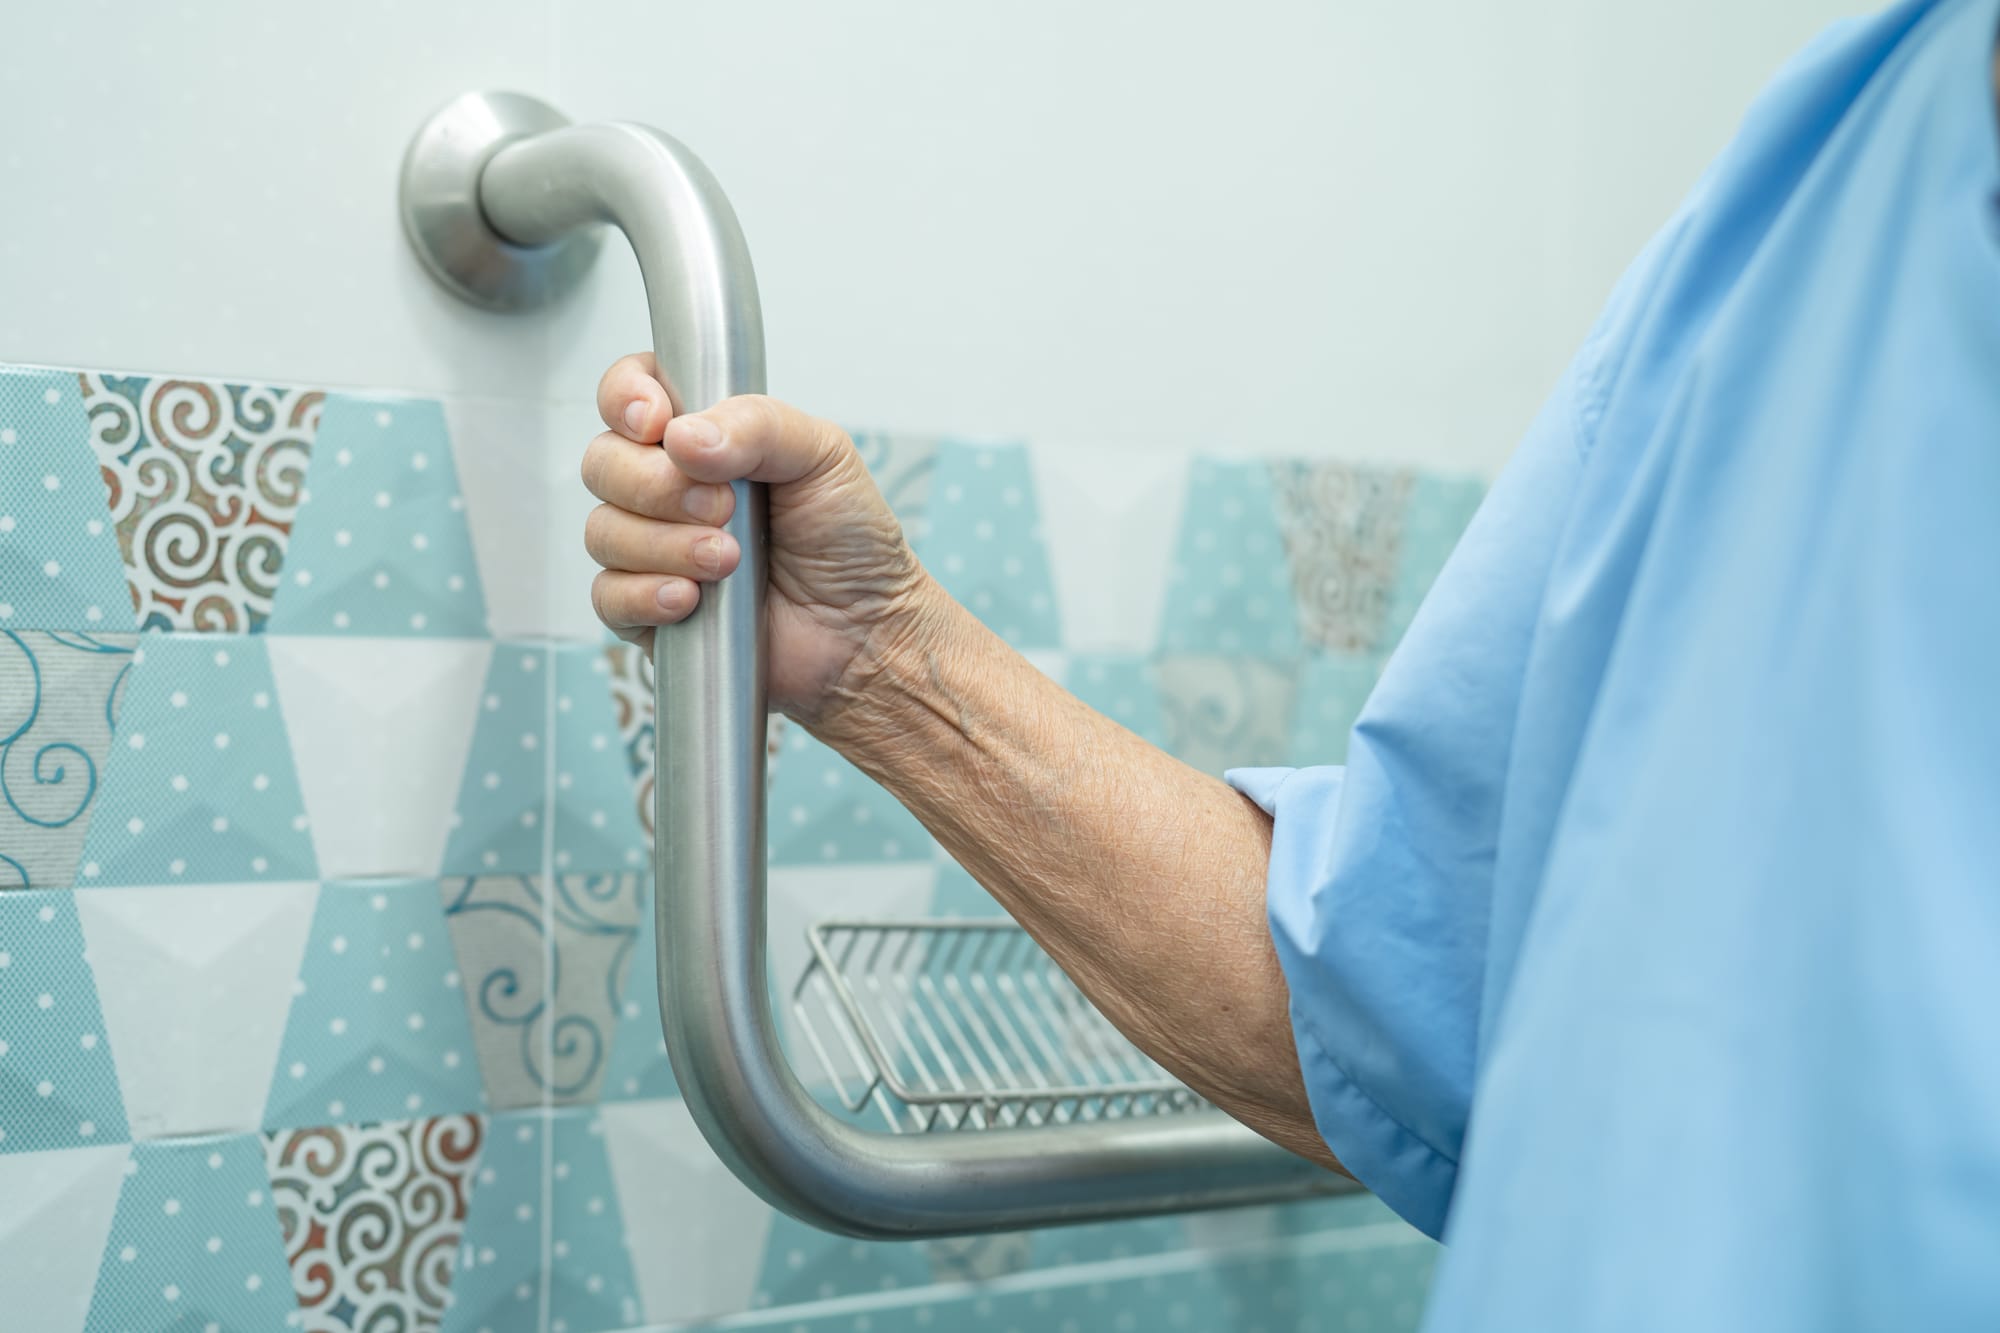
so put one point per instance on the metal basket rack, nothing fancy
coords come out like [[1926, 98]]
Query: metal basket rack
[[1010, 1102], [966, 1025]]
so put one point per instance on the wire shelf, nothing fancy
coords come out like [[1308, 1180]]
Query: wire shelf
[[966, 1025]]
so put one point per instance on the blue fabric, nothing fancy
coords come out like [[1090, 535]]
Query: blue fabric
[[1648, 947]]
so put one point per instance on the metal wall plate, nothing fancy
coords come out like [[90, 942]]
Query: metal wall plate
[[439, 201]]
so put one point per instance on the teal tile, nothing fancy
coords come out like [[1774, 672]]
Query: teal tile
[[597, 826], [498, 1283], [58, 1084], [199, 786], [591, 1287], [497, 825], [59, 561], [1124, 688], [380, 545], [1439, 509], [983, 541], [637, 1067], [59, 694], [825, 811], [378, 1027], [195, 1243], [1229, 591], [1331, 690]]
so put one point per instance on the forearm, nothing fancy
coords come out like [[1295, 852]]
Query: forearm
[[1141, 876]]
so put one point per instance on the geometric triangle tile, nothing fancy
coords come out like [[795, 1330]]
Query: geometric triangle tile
[[597, 825], [591, 1286], [497, 1283], [801, 1263], [380, 545], [195, 1243], [379, 730], [983, 536], [58, 700], [1439, 509], [58, 1085], [1108, 516], [377, 1029], [694, 1232], [199, 786], [638, 1066], [59, 565], [901, 467], [58, 1212], [205, 479], [1332, 689], [1343, 527], [195, 981], [510, 939], [496, 824], [825, 811], [1229, 589], [373, 1218]]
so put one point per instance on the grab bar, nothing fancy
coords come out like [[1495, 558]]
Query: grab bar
[[501, 198]]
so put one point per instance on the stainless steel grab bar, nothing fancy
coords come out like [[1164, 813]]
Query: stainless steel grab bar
[[501, 199]]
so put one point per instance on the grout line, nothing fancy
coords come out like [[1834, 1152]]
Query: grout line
[[548, 981], [1369, 1236]]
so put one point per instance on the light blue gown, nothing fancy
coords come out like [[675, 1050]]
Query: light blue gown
[[1648, 947]]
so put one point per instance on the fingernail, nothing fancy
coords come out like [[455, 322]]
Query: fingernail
[[670, 595], [635, 415], [708, 554], [706, 502], [702, 431]]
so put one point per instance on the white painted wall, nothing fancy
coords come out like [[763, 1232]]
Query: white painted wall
[[1126, 231]]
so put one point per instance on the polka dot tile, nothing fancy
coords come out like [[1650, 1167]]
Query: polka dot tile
[[1331, 691], [983, 541], [199, 785], [804, 1264], [902, 466], [1439, 509], [497, 1283], [597, 824], [58, 1083], [380, 545], [195, 1243], [591, 1286], [58, 1211], [59, 561], [59, 695], [959, 894], [825, 811], [497, 824], [378, 1027], [1229, 590]]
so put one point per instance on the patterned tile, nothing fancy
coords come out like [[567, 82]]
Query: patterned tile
[[381, 546], [199, 786], [496, 1287], [825, 811], [591, 1281], [1226, 712], [59, 696], [1343, 528], [53, 1225], [58, 1085], [205, 479], [1123, 688], [511, 937], [902, 466], [59, 562], [637, 1065], [373, 1219], [378, 1027], [195, 1243], [629, 673], [598, 825]]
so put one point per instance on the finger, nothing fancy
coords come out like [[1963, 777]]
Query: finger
[[641, 479], [754, 438], [640, 601], [632, 398], [621, 541]]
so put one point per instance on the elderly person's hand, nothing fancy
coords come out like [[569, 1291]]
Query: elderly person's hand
[[1141, 876], [844, 586]]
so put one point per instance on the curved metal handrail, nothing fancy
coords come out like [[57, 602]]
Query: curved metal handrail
[[537, 190]]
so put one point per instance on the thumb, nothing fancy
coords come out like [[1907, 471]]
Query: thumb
[[754, 438]]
